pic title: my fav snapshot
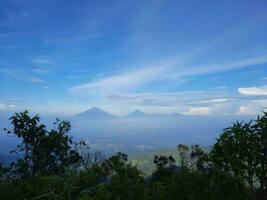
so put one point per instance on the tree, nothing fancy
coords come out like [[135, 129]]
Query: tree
[[44, 152], [87, 158], [120, 180], [191, 157], [198, 158], [126, 180], [260, 137], [56, 151], [240, 152], [184, 154], [30, 132], [3, 170], [164, 162], [165, 166]]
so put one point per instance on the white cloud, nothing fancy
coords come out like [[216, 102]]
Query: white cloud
[[219, 67], [248, 110], [41, 61], [2, 106], [40, 70], [46, 87], [198, 111], [73, 77], [261, 102], [169, 70], [252, 107], [177, 99], [244, 110], [7, 106], [168, 102], [253, 91], [35, 80], [121, 82], [20, 75], [12, 106], [221, 100]]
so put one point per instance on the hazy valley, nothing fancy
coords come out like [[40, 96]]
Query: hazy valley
[[135, 132]]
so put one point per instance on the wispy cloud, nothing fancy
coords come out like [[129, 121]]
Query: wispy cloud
[[20, 75], [220, 67], [120, 89], [250, 109], [244, 110], [180, 102], [41, 61], [35, 79], [198, 111], [177, 99], [7, 106], [120, 82], [40, 70], [253, 91], [167, 70], [46, 87], [261, 102], [68, 40], [210, 101]]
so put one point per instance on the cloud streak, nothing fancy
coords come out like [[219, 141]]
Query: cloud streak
[[121, 82], [253, 91], [180, 102], [168, 70], [35, 80], [20, 75], [198, 111], [41, 61], [7, 106]]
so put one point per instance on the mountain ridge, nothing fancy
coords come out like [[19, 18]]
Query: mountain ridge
[[96, 113]]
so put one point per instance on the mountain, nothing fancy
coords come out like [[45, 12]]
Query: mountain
[[94, 113], [137, 114]]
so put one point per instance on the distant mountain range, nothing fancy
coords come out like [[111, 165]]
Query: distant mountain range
[[137, 114], [96, 113], [135, 131]]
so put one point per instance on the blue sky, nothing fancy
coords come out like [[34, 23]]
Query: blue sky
[[192, 57]]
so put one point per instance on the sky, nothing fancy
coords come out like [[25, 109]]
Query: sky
[[159, 56]]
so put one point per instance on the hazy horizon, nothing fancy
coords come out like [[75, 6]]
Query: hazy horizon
[[143, 132]]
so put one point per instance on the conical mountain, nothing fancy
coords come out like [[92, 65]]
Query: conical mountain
[[94, 113], [137, 114]]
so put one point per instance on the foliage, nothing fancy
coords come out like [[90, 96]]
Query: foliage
[[44, 152], [88, 159], [53, 167], [241, 151]]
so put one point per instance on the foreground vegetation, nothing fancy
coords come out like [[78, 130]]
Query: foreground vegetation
[[54, 167], [144, 159]]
